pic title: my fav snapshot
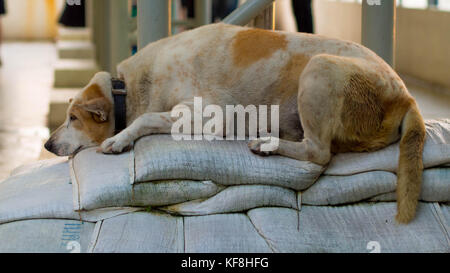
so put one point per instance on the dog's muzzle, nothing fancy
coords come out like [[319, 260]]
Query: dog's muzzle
[[48, 145]]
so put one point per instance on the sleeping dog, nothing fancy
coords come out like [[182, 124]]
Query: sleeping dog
[[334, 96]]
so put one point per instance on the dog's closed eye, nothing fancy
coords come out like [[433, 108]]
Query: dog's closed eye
[[73, 118]]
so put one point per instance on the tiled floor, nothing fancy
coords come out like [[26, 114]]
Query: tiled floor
[[26, 79]]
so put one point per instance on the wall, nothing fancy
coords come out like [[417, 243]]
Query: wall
[[423, 44], [31, 19], [337, 19], [423, 37]]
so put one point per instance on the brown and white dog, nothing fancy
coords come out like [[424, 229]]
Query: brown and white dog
[[334, 96]]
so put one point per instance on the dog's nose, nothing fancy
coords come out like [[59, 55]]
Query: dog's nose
[[48, 145]]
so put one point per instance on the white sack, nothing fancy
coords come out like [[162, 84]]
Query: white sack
[[238, 199], [223, 233], [378, 185], [436, 153], [333, 190], [445, 209], [45, 236], [139, 232], [159, 157], [350, 229], [108, 184], [37, 165], [45, 193]]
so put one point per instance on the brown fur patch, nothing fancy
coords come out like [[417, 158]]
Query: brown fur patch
[[370, 119], [362, 111], [92, 92], [286, 91], [86, 121], [288, 82], [252, 45]]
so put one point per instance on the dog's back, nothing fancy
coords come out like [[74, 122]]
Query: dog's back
[[230, 65]]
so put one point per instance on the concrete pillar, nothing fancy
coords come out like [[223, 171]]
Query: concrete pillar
[[154, 21], [120, 28], [95, 29], [101, 32], [378, 27], [203, 12], [89, 17], [432, 3]]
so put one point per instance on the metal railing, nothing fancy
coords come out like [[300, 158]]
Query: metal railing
[[431, 4], [114, 31], [154, 24], [113, 34], [248, 11]]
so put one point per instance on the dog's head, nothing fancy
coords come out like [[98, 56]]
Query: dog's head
[[89, 121]]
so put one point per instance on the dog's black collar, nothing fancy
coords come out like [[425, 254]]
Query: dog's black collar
[[119, 93]]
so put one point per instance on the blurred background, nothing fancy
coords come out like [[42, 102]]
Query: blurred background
[[50, 49]]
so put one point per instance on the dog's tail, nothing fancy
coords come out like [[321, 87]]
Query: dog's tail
[[410, 165]]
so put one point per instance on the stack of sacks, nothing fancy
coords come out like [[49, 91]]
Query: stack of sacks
[[201, 178], [215, 177], [44, 191], [354, 177]]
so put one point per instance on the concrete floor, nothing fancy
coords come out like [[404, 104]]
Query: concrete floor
[[432, 104], [26, 80]]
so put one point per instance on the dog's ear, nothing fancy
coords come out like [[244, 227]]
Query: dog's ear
[[99, 107]]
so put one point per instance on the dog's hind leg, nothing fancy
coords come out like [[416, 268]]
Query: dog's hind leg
[[315, 146], [317, 107], [305, 150]]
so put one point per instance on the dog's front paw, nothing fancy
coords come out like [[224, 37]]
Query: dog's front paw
[[262, 146], [115, 145]]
